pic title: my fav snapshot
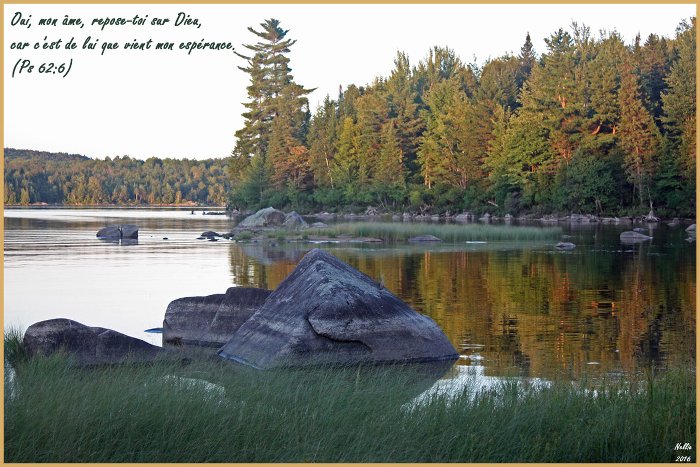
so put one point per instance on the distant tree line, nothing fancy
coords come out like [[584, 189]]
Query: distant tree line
[[57, 178], [590, 125]]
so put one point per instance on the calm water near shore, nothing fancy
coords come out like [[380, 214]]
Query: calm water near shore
[[510, 308]]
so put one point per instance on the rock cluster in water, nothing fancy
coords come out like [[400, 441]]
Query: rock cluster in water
[[324, 312]]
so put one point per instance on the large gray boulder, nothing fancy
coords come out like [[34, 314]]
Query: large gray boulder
[[210, 320], [86, 345], [326, 312], [268, 217], [293, 221]]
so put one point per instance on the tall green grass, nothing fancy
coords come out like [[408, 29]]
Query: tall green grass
[[397, 232], [352, 414]]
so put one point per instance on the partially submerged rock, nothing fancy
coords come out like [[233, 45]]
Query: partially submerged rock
[[268, 217], [565, 246], [691, 228], [210, 234], [631, 236], [326, 312], [210, 320], [424, 239], [86, 345], [130, 231], [111, 231], [116, 232]]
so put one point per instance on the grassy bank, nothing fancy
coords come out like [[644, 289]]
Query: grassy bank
[[156, 414], [397, 232]]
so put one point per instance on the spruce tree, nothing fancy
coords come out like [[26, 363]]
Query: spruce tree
[[639, 137], [272, 93]]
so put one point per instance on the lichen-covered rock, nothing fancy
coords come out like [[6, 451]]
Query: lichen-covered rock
[[268, 217], [86, 345], [293, 221], [210, 320], [326, 312], [631, 236]]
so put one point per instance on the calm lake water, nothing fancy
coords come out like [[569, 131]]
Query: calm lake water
[[511, 309]]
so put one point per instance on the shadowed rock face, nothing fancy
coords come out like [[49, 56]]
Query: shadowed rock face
[[210, 320], [327, 312], [86, 345]]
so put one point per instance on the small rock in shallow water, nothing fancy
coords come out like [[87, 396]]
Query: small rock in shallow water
[[631, 236], [424, 238]]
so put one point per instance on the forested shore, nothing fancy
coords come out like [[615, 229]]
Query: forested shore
[[589, 125], [71, 179]]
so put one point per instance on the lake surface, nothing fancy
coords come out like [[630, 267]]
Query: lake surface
[[511, 309]]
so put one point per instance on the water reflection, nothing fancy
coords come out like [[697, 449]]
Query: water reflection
[[510, 308], [532, 312]]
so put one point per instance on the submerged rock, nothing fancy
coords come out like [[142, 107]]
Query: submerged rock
[[115, 232], [631, 236], [268, 217], [111, 231], [86, 345], [293, 221], [210, 320], [424, 239], [130, 231], [326, 312]]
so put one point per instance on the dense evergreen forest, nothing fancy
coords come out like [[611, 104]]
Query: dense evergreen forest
[[590, 125], [42, 177]]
